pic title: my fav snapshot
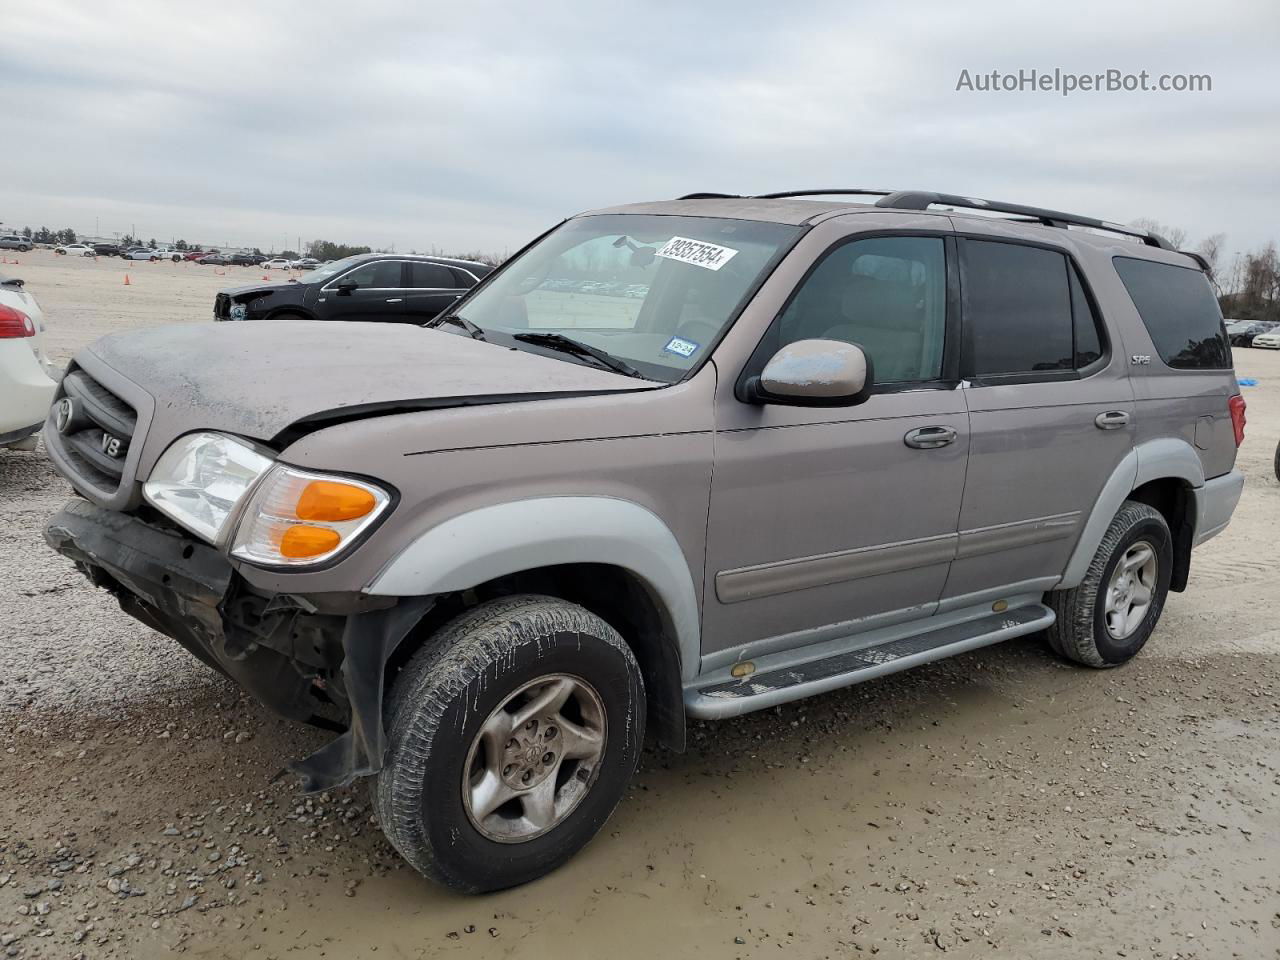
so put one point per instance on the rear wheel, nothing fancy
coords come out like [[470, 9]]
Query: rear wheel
[[1110, 616], [513, 734]]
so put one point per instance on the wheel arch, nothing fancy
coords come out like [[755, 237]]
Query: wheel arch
[[612, 556], [1163, 474]]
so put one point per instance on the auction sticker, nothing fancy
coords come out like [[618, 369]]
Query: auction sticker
[[700, 254], [681, 347]]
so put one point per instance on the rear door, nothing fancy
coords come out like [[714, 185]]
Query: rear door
[[379, 293], [432, 287], [1050, 415]]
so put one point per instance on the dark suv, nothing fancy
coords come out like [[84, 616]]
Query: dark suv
[[375, 286]]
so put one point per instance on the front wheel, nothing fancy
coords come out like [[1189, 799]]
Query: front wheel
[[1110, 616], [513, 733]]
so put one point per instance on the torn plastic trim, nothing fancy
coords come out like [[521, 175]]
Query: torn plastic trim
[[187, 590]]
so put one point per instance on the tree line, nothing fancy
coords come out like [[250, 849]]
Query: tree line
[[1248, 286]]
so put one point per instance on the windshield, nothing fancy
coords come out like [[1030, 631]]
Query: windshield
[[327, 270], [656, 292]]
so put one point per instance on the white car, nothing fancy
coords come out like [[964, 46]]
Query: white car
[[279, 263], [170, 253], [1268, 341], [76, 250], [27, 379]]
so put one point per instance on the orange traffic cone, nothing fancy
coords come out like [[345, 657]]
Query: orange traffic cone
[[126, 280]]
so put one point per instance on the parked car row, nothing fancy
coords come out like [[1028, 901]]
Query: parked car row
[[1245, 333]]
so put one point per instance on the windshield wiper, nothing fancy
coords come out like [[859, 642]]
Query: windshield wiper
[[474, 332], [563, 344]]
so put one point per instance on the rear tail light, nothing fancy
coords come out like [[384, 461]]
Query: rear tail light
[[1236, 404], [14, 324]]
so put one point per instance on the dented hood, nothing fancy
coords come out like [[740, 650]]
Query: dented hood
[[266, 379]]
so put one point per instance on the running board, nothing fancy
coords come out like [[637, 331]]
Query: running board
[[794, 680]]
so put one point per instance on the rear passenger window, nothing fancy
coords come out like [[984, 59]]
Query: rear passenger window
[[1180, 312], [1018, 315], [461, 278], [886, 294], [430, 276]]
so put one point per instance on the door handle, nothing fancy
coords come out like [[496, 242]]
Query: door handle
[[395, 300], [1111, 420], [926, 438]]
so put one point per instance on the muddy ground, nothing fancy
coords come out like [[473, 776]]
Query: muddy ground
[[999, 804]]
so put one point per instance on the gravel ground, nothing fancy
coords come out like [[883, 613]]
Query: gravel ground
[[999, 804]]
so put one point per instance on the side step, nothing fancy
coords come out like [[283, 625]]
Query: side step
[[781, 682]]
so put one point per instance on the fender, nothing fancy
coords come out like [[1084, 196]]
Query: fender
[[475, 547], [1152, 460]]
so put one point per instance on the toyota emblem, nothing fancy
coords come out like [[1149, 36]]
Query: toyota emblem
[[64, 413]]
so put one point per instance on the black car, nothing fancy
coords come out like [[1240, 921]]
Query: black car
[[376, 286], [244, 259], [1242, 332], [106, 249], [217, 259]]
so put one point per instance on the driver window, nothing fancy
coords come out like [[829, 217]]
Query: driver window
[[887, 295], [379, 275]]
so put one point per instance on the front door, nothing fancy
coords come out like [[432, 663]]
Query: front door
[[379, 293], [1051, 413], [826, 521]]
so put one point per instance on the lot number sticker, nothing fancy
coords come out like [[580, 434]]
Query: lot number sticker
[[681, 347], [696, 252]]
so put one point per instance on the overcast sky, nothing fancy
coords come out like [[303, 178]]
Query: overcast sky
[[465, 127]]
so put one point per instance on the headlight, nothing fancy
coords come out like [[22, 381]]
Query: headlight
[[295, 518], [239, 311], [200, 480]]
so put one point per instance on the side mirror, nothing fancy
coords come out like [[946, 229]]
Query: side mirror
[[345, 287], [814, 373]]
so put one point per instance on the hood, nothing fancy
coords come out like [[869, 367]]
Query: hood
[[238, 294], [277, 381]]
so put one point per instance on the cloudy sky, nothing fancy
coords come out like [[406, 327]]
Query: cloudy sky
[[473, 127]]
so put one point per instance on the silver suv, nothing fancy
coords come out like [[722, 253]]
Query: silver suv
[[681, 459]]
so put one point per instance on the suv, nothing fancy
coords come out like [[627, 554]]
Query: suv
[[496, 549], [14, 241], [370, 286]]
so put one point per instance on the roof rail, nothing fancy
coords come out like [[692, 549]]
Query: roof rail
[[922, 200], [710, 196], [822, 193]]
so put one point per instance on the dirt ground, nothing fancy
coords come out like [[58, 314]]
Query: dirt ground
[[999, 804]]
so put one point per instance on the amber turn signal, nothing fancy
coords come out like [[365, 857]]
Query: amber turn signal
[[330, 501], [301, 541]]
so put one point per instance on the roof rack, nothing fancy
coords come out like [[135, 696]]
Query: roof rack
[[823, 193], [922, 200]]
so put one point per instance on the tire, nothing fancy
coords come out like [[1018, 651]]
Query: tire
[[1081, 632], [463, 677], [61, 253], [24, 248], [1276, 463]]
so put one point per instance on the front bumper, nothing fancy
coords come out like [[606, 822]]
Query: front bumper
[[296, 655]]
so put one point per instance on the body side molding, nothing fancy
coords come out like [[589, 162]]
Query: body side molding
[[507, 538]]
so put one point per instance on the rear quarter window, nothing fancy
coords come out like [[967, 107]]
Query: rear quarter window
[[1180, 313]]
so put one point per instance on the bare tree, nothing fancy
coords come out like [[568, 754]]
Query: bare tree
[[1211, 250], [1176, 236]]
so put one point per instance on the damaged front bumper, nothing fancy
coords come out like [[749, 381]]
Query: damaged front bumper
[[295, 654]]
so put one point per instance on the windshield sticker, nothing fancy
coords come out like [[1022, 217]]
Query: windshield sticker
[[681, 347], [697, 253]]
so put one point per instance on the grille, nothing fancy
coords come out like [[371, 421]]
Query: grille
[[96, 438], [222, 307]]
